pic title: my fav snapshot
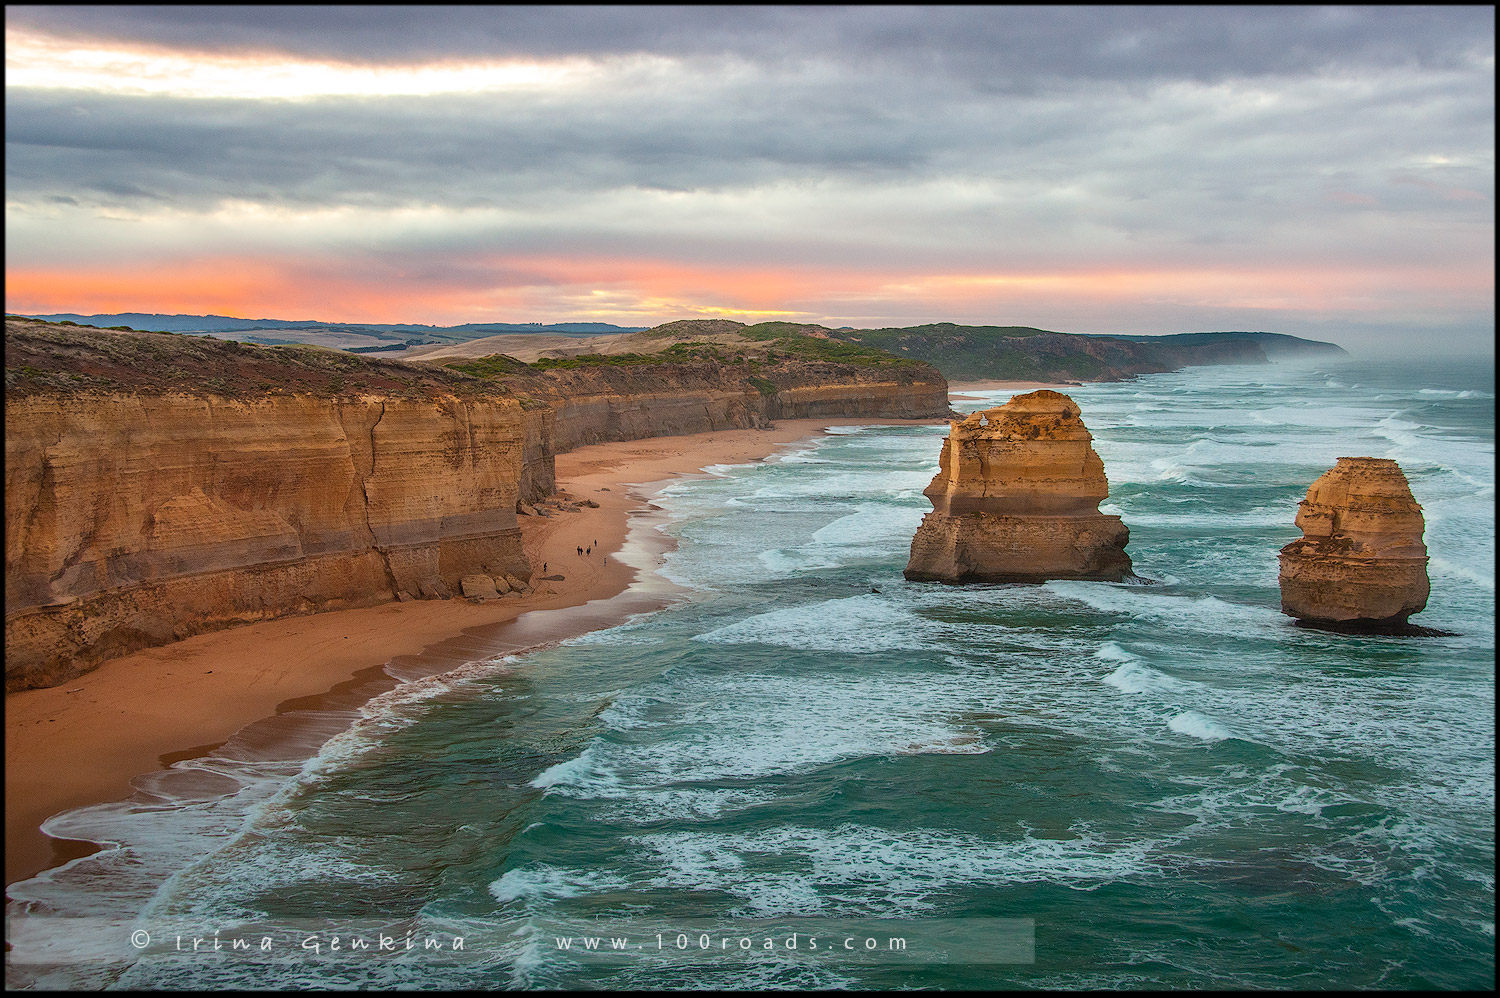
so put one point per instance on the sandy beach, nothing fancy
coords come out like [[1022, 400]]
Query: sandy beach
[[82, 742]]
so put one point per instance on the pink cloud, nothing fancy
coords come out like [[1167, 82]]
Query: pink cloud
[[640, 291]]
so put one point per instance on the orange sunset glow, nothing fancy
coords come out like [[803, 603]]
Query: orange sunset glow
[[454, 184], [626, 291]]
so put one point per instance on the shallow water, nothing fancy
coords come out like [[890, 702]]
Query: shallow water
[[1168, 785]]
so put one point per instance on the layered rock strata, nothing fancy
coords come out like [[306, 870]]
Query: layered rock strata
[[160, 486], [135, 520], [574, 408], [1360, 564], [1016, 499], [601, 404]]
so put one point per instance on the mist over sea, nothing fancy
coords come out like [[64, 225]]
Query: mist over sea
[[1157, 786]]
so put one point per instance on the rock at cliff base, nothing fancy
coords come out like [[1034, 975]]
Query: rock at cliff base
[[501, 586], [1360, 564], [478, 587], [1016, 499]]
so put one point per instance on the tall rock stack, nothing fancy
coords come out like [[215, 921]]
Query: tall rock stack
[[1016, 499], [1360, 564]]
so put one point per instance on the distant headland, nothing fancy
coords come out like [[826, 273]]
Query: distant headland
[[960, 352]]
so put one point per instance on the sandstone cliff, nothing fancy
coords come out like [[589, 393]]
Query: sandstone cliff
[[1360, 564], [1016, 499], [137, 520], [159, 486], [596, 405]]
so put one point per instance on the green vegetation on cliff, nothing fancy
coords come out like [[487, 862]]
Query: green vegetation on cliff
[[64, 358], [771, 342], [1021, 353], [68, 358], [500, 365], [710, 355], [1024, 353]]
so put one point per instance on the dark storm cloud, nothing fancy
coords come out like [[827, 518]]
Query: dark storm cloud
[[992, 47], [459, 151], [866, 110], [894, 160], [1320, 159]]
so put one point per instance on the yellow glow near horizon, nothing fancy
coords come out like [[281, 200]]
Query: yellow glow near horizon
[[653, 304], [276, 281], [33, 61]]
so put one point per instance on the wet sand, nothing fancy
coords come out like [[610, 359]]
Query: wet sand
[[82, 742]]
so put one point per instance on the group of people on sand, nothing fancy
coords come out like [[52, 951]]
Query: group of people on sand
[[582, 551]]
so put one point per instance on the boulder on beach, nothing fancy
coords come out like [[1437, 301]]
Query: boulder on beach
[[479, 587]]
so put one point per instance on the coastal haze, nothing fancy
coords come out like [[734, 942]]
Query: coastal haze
[[489, 477]]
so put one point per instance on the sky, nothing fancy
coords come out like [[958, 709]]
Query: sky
[[1321, 171]]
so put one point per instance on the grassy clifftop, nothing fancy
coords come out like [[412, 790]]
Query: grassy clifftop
[[67, 358], [1030, 354], [766, 344], [1023, 353]]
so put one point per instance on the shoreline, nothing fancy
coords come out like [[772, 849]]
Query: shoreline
[[83, 742]]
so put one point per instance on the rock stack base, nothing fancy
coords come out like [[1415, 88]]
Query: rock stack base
[[1016, 499], [1360, 565]]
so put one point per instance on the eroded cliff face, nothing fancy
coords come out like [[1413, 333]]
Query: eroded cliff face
[[134, 520], [1016, 499], [1360, 563], [601, 404], [161, 486]]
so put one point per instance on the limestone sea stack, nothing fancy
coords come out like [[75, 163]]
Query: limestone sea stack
[[1360, 564], [1016, 499]]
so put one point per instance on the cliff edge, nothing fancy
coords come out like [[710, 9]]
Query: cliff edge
[[143, 511], [160, 485]]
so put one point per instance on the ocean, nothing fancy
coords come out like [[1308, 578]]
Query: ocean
[[807, 772]]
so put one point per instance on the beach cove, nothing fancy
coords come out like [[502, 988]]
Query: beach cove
[[84, 741]]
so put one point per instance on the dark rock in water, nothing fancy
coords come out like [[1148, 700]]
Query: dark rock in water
[[1391, 628]]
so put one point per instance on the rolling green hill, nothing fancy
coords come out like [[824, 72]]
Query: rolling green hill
[[1024, 353]]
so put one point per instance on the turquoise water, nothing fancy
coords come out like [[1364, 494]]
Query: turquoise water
[[1172, 784]]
